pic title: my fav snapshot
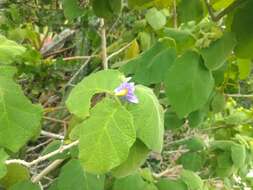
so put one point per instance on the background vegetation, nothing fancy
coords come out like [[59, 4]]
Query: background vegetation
[[62, 127]]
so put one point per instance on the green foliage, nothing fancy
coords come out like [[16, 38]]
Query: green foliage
[[19, 118], [242, 28], [79, 100], [107, 8], [188, 84], [216, 54], [188, 63], [156, 19], [73, 176], [149, 125], [9, 50], [151, 66], [137, 155], [106, 137], [24, 185], [72, 9]]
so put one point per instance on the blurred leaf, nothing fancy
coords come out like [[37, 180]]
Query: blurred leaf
[[190, 10], [9, 50], [168, 184], [238, 155], [133, 50], [25, 185], [216, 54], [192, 180], [172, 121], [137, 155], [243, 29], [149, 124], [3, 157], [218, 102], [192, 161], [15, 173], [107, 8], [188, 84], [72, 9], [184, 39], [245, 66], [156, 18], [150, 67], [74, 177]]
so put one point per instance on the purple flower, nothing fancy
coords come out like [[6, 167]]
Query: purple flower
[[126, 91]]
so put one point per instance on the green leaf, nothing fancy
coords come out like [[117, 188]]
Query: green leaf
[[106, 137], [3, 157], [244, 66], [19, 118], [148, 118], [218, 102], [169, 184], [195, 144], [150, 187], [221, 4], [79, 100], [73, 177], [192, 180], [216, 54], [188, 84], [151, 66], [15, 174], [9, 50], [156, 18], [107, 8], [172, 121], [137, 155], [138, 3], [193, 161], [190, 10], [243, 29], [72, 9], [196, 118], [238, 155], [25, 185], [54, 145], [184, 39], [134, 182]]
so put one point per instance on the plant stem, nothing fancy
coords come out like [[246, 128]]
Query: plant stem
[[103, 45]]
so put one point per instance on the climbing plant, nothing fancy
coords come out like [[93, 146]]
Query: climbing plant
[[126, 95]]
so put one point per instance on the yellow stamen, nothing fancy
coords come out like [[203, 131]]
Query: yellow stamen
[[123, 92]]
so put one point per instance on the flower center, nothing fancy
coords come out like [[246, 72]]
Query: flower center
[[123, 92]]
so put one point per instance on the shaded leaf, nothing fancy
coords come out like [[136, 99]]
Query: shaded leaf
[[151, 66], [74, 177], [148, 118], [216, 54], [156, 18], [19, 118], [188, 84], [137, 155]]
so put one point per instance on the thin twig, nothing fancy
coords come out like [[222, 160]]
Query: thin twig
[[47, 170], [103, 45], [42, 158], [119, 51], [172, 172], [227, 10], [175, 13], [240, 95], [55, 120], [76, 58], [38, 146], [52, 135]]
